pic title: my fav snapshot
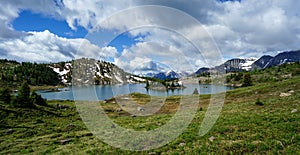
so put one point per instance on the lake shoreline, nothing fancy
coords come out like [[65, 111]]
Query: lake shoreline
[[109, 91]]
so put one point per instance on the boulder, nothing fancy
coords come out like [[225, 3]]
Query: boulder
[[182, 144], [285, 94], [140, 109], [212, 138], [64, 141], [9, 131]]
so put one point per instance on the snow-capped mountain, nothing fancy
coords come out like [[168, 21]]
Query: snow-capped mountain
[[262, 62], [168, 75], [63, 69], [89, 71], [236, 65], [248, 64], [281, 58]]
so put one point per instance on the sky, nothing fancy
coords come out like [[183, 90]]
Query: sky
[[148, 36]]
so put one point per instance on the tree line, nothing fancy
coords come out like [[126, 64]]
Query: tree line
[[13, 73]]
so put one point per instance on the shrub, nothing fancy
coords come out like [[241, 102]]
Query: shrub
[[258, 102], [238, 77], [247, 81], [37, 99]]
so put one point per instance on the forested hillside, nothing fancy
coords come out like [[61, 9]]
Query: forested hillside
[[13, 74], [88, 71]]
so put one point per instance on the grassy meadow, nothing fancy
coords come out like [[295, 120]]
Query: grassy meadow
[[260, 119]]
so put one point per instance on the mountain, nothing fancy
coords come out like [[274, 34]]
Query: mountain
[[161, 76], [170, 75], [202, 70], [285, 57], [248, 64], [89, 71], [262, 62], [236, 65], [281, 58]]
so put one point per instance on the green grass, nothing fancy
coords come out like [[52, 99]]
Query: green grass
[[242, 128]]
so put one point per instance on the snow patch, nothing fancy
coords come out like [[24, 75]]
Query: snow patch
[[119, 79], [64, 72], [106, 75], [247, 65], [139, 79]]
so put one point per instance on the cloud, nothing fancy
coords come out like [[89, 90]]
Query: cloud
[[240, 29], [87, 13], [257, 26], [155, 55], [138, 65], [47, 47], [9, 10], [248, 28]]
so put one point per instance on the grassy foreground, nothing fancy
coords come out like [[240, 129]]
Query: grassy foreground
[[242, 128]]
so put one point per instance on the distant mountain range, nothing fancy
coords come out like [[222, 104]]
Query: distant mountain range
[[170, 75], [266, 61], [282, 58], [89, 71], [108, 73]]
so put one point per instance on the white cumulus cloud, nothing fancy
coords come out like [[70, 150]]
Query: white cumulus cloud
[[248, 28], [48, 47]]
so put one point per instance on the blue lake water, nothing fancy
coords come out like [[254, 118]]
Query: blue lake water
[[104, 92]]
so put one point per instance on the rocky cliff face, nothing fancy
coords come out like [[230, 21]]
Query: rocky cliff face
[[236, 65], [90, 71]]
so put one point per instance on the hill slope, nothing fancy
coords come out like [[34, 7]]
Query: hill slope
[[242, 128]]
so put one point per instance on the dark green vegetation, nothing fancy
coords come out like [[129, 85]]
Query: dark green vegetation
[[245, 126], [12, 74], [24, 98], [273, 74]]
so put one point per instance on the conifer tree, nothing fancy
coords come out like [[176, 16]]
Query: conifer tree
[[5, 95], [23, 98]]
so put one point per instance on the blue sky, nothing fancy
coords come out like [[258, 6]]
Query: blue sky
[[124, 40], [28, 21], [52, 31]]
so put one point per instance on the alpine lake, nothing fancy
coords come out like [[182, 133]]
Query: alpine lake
[[104, 92]]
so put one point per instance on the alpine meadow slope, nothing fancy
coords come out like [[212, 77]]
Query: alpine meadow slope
[[244, 126]]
